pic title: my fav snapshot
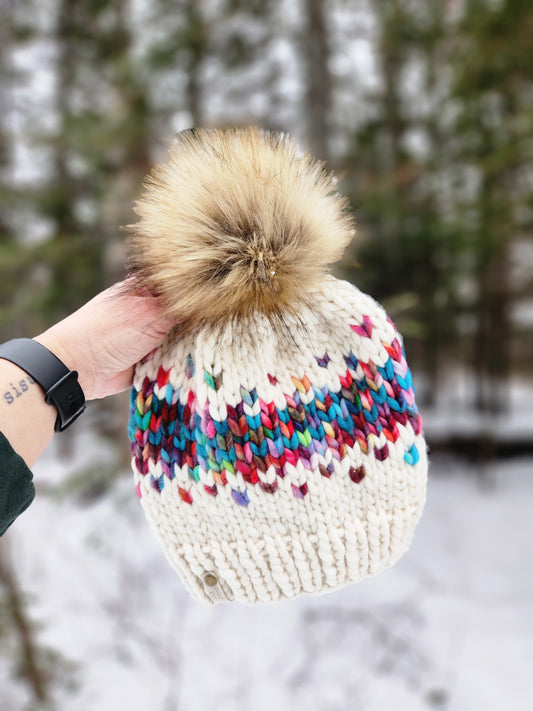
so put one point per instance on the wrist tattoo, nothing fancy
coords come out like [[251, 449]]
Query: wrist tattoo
[[18, 389]]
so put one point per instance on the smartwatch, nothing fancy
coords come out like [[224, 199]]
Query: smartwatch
[[60, 385]]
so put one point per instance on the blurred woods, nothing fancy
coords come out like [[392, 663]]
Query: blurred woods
[[424, 110]]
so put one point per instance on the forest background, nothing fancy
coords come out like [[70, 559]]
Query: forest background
[[423, 109]]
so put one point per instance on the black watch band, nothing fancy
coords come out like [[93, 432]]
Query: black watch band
[[60, 385]]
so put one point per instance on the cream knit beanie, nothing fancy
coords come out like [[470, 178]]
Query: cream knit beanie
[[276, 444]]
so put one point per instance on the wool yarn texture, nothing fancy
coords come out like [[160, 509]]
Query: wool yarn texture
[[277, 448]]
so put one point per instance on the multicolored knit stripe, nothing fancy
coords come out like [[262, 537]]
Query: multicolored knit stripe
[[257, 441]]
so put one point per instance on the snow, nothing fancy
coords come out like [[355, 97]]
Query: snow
[[449, 627], [454, 414]]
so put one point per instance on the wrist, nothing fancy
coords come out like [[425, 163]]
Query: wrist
[[22, 403], [59, 383], [57, 345]]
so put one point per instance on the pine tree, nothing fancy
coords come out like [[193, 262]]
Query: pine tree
[[493, 83], [407, 247]]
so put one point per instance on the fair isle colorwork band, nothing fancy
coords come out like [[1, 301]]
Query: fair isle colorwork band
[[277, 456]]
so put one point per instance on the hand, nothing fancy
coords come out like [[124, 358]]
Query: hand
[[106, 337], [102, 341]]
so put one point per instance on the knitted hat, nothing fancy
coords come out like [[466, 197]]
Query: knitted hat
[[277, 447]]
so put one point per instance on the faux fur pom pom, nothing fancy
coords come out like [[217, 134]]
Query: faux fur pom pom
[[234, 222]]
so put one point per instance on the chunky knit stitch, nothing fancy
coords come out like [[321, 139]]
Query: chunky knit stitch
[[277, 456]]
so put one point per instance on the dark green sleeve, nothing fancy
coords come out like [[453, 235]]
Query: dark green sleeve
[[16, 485]]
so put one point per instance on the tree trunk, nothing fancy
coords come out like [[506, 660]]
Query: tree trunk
[[318, 98], [196, 51], [29, 668]]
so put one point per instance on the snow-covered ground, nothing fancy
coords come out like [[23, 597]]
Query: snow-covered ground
[[450, 627], [454, 413]]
